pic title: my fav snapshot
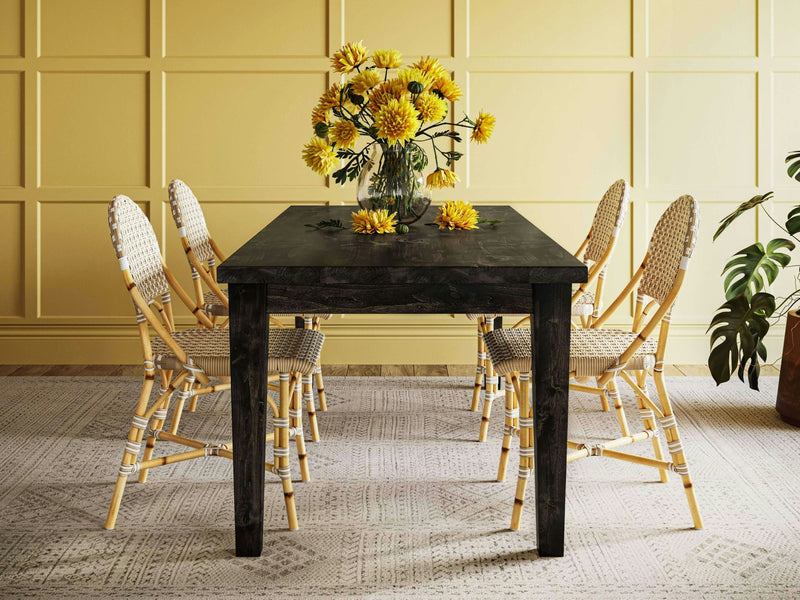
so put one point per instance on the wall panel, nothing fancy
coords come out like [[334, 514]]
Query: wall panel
[[100, 98]]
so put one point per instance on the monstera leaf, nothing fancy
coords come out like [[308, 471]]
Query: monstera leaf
[[740, 210], [752, 268], [793, 219], [737, 329], [794, 164]]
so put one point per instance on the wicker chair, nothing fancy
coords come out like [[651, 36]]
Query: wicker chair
[[203, 252], [184, 358], [596, 250], [607, 354]]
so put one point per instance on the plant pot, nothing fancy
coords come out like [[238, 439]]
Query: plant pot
[[788, 403], [392, 179]]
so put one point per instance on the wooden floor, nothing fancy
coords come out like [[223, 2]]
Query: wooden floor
[[350, 370]]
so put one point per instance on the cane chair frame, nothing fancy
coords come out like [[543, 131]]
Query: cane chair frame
[[661, 294], [204, 270], [287, 421]]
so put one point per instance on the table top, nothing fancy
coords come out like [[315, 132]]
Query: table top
[[512, 252]]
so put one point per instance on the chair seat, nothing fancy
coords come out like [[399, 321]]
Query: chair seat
[[290, 350], [591, 351], [215, 308]]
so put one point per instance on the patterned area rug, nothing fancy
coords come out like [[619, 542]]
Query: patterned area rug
[[402, 502]]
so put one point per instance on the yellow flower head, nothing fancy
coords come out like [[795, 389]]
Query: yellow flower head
[[431, 108], [365, 81], [391, 89], [432, 67], [441, 179], [397, 121], [374, 221], [457, 215], [344, 133], [320, 156], [484, 125], [410, 74], [330, 99], [320, 115], [387, 59], [447, 88], [349, 57]]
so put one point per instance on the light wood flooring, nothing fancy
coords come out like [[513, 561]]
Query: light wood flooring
[[334, 370]]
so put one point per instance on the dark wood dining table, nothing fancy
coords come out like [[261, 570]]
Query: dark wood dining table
[[511, 267]]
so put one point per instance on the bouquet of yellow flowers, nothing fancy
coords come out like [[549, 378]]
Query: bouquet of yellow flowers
[[396, 114]]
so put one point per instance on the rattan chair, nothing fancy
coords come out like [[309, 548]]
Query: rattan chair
[[607, 354], [596, 251], [194, 355], [203, 252]]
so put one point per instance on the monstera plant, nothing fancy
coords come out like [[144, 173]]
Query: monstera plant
[[741, 323]]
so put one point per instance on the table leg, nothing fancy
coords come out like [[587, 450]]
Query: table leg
[[550, 342], [249, 336]]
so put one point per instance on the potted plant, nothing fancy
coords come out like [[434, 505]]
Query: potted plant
[[741, 323]]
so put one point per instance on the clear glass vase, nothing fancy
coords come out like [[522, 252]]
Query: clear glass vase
[[392, 179]]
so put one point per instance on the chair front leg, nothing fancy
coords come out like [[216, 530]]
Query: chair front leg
[[480, 369], [280, 450], [525, 448], [511, 424]]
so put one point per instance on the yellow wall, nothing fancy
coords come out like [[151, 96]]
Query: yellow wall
[[99, 98]]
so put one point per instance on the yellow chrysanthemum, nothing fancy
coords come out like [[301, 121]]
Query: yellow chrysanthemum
[[447, 88], [431, 108], [344, 133], [397, 121], [365, 81], [457, 215], [409, 74], [440, 179], [388, 90], [387, 59], [320, 156], [330, 99], [431, 66], [320, 115], [349, 57], [374, 221], [484, 125]]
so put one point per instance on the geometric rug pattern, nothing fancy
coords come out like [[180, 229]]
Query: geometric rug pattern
[[402, 502]]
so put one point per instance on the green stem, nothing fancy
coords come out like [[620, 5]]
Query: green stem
[[781, 227]]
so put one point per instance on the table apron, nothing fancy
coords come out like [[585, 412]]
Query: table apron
[[400, 299]]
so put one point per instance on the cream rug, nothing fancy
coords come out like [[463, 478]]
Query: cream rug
[[402, 503]]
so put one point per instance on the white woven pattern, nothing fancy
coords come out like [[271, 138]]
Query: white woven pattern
[[187, 214], [591, 351], [671, 245], [135, 243], [608, 218]]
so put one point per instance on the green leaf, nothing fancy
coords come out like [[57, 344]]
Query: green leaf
[[737, 329], [793, 220], [794, 164], [742, 208], [752, 268]]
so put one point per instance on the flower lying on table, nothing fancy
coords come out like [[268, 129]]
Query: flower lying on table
[[457, 214], [374, 221]]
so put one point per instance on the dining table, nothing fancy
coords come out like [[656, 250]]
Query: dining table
[[508, 267]]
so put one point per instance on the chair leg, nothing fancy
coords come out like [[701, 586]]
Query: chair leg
[[480, 369], [160, 416], [184, 394], [280, 450], [296, 425], [511, 426], [603, 398], [613, 391], [649, 420], [489, 392], [323, 406], [525, 448], [132, 447], [308, 396], [675, 448]]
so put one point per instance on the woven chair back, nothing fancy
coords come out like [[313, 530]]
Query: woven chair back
[[190, 220], [608, 219], [670, 248], [136, 247]]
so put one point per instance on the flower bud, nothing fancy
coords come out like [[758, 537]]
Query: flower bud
[[402, 228], [415, 87], [321, 129]]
